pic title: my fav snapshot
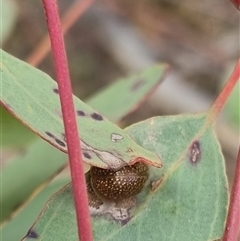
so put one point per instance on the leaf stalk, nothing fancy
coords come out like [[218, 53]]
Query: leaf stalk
[[219, 103]]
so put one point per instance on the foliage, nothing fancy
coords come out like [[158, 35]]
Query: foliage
[[193, 165], [41, 167], [37, 105], [187, 198], [188, 203]]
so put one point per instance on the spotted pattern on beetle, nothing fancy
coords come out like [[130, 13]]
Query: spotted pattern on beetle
[[119, 184], [119, 211]]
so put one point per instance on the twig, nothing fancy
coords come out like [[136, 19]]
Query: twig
[[232, 227], [69, 18], [236, 3], [65, 92], [219, 103]]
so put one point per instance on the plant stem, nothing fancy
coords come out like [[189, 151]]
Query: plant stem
[[232, 227], [223, 96], [236, 3], [69, 118], [68, 19]]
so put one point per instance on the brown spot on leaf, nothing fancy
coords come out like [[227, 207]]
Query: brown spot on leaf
[[195, 152], [32, 234], [97, 117], [59, 142], [138, 84], [155, 184], [50, 134], [80, 113], [56, 91], [86, 155]]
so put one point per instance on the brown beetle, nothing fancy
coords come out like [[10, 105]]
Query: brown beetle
[[115, 185]]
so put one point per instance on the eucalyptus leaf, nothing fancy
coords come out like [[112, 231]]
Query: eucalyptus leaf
[[22, 175], [134, 90], [13, 132], [186, 200], [126, 94], [32, 97], [16, 228]]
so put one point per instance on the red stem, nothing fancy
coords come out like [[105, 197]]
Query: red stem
[[232, 228], [69, 118], [227, 89], [236, 3]]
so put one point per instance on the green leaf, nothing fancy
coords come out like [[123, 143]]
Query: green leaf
[[186, 200], [32, 96], [13, 132], [13, 128], [125, 95], [17, 227], [21, 176]]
